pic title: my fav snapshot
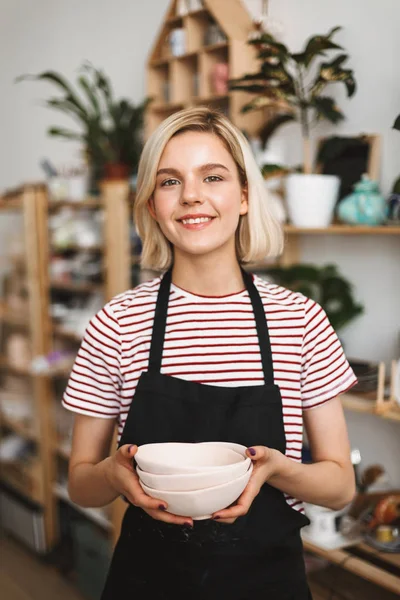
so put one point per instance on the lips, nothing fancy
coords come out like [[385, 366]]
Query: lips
[[196, 223]]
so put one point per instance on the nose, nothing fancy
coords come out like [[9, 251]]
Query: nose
[[191, 193]]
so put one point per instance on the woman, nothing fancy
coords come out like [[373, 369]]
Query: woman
[[209, 352]]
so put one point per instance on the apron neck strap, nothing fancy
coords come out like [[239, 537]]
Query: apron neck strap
[[160, 320], [262, 328]]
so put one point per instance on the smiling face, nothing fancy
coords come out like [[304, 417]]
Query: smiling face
[[198, 197]]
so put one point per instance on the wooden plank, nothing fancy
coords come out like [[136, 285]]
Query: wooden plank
[[89, 202], [392, 559], [338, 229], [356, 565], [37, 261], [117, 255]]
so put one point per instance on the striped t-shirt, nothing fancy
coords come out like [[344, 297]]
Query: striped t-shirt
[[211, 340]]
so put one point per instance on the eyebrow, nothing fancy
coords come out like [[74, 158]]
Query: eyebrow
[[202, 169]]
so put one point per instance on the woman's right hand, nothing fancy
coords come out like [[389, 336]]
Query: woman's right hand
[[121, 475]]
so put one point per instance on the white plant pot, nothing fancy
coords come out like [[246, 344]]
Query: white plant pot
[[311, 199]]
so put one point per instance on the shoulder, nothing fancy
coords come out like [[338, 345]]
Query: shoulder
[[273, 294], [127, 302]]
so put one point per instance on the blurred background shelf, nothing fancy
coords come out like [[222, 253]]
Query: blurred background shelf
[[344, 229]]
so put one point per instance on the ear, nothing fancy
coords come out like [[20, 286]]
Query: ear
[[244, 203], [151, 208]]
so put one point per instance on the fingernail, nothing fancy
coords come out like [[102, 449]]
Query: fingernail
[[252, 451], [162, 507], [188, 524], [130, 448]]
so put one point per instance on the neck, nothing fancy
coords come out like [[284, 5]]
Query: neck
[[207, 276]]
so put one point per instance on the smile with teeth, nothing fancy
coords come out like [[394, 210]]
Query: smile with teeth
[[197, 220]]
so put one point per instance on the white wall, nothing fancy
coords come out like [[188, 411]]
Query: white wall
[[372, 263], [117, 35]]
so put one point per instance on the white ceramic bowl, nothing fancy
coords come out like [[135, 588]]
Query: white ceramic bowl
[[201, 504], [173, 458], [239, 448], [185, 482]]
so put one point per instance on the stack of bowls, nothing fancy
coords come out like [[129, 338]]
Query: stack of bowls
[[195, 480]]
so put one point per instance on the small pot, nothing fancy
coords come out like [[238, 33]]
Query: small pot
[[311, 199], [116, 171]]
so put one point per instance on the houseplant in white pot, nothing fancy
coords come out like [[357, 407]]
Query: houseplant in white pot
[[292, 88]]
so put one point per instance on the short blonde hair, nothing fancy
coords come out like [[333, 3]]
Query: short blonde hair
[[258, 235]]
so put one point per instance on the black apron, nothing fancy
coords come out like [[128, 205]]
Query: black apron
[[260, 556]]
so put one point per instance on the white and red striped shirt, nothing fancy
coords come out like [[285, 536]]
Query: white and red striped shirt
[[211, 340]]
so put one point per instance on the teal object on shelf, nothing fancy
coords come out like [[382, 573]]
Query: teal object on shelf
[[365, 206]]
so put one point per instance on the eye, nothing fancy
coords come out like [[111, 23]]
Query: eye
[[169, 182], [213, 178]]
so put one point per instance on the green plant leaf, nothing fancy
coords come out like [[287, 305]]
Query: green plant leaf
[[271, 170], [65, 133], [327, 108], [59, 81], [91, 94], [323, 284], [266, 40], [259, 103], [317, 45], [66, 106]]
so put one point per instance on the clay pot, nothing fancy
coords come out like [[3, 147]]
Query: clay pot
[[116, 171]]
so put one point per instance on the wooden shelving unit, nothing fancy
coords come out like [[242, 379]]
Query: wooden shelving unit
[[32, 476], [39, 482], [340, 229], [177, 82]]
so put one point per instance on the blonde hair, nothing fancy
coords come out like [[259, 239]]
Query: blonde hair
[[258, 235]]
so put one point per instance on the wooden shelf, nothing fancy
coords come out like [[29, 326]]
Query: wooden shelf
[[200, 12], [76, 287], [9, 317], [167, 107], [366, 403], [361, 566], [78, 248], [5, 366], [343, 229], [10, 204], [186, 80], [19, 428], [23, 477], [90, 202], [216, 47], [211, 99]]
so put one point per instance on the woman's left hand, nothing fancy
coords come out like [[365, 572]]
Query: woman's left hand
[[265, 464]]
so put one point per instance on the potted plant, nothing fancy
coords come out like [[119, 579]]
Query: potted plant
[[110, 129], [323, 284], [293, 88]]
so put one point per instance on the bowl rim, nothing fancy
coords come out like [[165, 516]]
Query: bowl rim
[[195, 474], [203, 490], [193, 444]]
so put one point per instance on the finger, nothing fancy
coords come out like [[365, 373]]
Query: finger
[[167, 517], [230, 513], [243, 503], [141, 499], [125, 454], [258, 452]]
